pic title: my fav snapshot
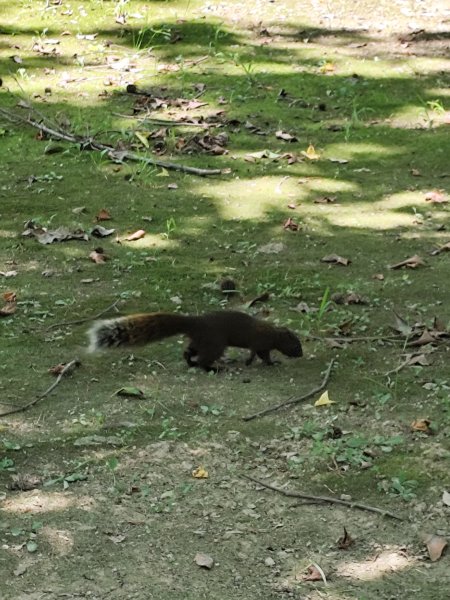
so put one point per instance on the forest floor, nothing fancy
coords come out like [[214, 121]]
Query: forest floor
[[326, 126]]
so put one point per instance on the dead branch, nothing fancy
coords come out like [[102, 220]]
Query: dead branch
[[316, 390], [89, 143], [368, 338], [68, 368], [85, 319], [323, 499]]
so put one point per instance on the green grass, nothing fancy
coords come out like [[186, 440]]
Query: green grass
[[376, 115]]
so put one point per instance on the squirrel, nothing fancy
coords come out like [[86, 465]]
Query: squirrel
[[209, 335]]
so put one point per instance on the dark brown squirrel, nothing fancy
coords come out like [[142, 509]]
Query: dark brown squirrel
[[209, 335]]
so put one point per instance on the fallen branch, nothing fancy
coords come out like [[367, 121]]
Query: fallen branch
[[294, 400], [89, 143], [68, 368], [369, 338], [85, 319], [323, 499]]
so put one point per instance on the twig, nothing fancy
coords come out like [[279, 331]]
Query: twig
[[328, 499], [368, 338], [70, 366], [85, 319], [115, 155], [168, 122], [294, 400]]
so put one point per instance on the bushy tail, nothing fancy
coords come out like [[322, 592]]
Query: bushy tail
[[136, 329]]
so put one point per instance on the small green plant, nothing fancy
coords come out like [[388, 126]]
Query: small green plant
[[324, 305], [169, 431], [171, 226], [399, 486]]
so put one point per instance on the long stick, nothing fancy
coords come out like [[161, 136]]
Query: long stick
[[293, 400], [85, 319], [116, 155], [328, 499], [67, 368]]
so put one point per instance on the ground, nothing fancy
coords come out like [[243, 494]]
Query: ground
[[326, 125]]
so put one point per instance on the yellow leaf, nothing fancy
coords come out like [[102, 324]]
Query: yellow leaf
[[141, 137], [324, 400], [327, 68], [200, 473], [163, 173], [311, 153]]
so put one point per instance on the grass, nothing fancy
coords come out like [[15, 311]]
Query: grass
[[117, 493]]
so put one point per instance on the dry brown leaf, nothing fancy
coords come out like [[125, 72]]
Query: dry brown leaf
[[412, 263], [345, 541], [417, 359], [290, 224], [9, 296], [427, 337], [98, 256], [103, 215], [335, 259], [8, 310], [57, 369], [315, 573], [436, 545], [137, 235], [100, 231], [421, 425]]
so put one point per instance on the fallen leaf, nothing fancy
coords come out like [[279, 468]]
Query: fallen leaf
[[290, 224], [346, 327], [204, 560], [78, 210], [412, 263], [103, 215], [200, 473], [311, 153], [435, 544], [324, 400], [446, 498], [401, 326], [134, 392], [378, 276], [172, 186], [341, 161], [427, 337], [254, 156], [9, 296], [57, 369], [421, 425], [436, 197], [137, 235], [345, 541], [287, 137], [98, 256], [328, 67], [315, 573], [417, 359], [415, 173], [336, 260], [100, 231], [8, 310], [7, 274]]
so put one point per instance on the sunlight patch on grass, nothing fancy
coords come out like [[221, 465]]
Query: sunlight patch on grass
[[252, 199], [37, 501], [376, 567]]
